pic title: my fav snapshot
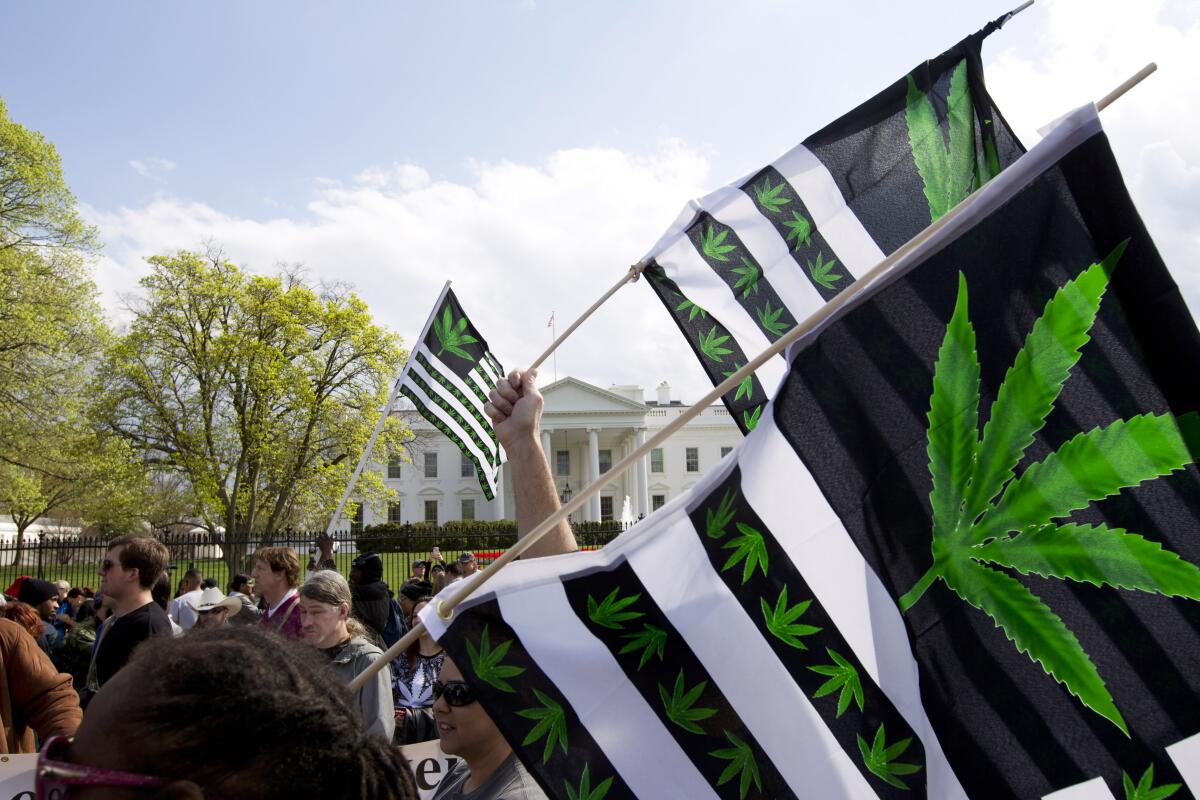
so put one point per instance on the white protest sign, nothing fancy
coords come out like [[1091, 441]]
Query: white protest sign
[[429, 765], [17, 775]]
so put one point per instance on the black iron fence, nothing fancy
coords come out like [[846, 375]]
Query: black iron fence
[[76, 559]]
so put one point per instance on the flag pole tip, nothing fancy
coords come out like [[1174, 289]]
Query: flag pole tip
[[1131, 82], [1020, 8]]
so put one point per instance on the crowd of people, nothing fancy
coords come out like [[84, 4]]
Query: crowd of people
[[243, 693]]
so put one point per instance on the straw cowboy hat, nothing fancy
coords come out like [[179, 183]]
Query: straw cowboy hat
[[213, 598]]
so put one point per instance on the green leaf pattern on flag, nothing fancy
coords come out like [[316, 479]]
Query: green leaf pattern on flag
[[680, 705], [651, 640], [742, 765], [800, 229], [745, 386], [710, 344], [771, 198], [822, 272], [551, 724], [770, 320], [712, 244], [452, 335], [947, 170], [782, 622], [584, 790], [718, 519], [751, 416], [749, 550], [486, 662], [691, 308], [611, 613], [842, 675], [880, 759], [1145, 788], [984, 514], [748, 280]]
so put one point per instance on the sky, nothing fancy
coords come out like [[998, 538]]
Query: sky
[[531, 150]]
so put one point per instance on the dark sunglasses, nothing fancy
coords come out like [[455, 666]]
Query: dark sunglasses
[[457, 693]]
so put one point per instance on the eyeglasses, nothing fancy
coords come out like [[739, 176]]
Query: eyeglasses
[[56, 775], [457, 693]]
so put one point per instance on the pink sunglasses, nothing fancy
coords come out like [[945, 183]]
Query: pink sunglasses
[[56, 775]]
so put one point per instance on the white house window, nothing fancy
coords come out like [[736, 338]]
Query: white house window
[[657, 501], [605, 461], [394, 467], [467, 468], [692, 459], [606, 513], [431, 511], [726, 451], [394, 512], [656, 460], [356, 524], [431, 465], [562, 462], [468, 509]]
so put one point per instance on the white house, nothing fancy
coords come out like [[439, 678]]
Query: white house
[[585, 430]]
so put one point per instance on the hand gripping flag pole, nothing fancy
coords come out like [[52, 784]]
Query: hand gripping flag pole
[[883, 272]]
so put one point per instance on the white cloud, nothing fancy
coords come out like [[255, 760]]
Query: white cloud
[[152, 167], [519, 241]]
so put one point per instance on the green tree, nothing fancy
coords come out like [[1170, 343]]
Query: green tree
[[260, 391]]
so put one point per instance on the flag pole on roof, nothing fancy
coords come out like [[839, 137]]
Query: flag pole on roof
[[884, 271]]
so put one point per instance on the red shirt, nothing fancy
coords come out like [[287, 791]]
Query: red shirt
[[286, 618]]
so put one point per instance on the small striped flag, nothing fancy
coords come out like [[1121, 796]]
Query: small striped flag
[[448, 378]]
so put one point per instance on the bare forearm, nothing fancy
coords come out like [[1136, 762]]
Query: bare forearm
[[536, 498]]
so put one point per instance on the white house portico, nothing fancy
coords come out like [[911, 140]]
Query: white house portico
[[585, 431]]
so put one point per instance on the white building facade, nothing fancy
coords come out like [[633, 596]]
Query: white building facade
[[585, 431]]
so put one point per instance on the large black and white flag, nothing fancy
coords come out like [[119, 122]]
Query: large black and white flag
[[955, 558], [448, 377], [740, 266]]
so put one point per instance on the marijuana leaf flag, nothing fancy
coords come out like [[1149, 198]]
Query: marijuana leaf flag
[[448, 378], [742, 265], [957, 557]]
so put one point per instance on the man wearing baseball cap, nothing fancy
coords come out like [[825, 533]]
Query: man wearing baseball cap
[[468, 565]]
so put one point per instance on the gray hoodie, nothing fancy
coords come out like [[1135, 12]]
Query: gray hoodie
[[375, 697]]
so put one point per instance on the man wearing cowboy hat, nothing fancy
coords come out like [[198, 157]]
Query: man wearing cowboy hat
[[214, 609]]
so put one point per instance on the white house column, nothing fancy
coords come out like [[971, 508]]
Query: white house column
[[593, 471], [643, 497], [546, 445]]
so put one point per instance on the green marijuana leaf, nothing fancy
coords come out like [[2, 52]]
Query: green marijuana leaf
[[820, 272], [745, 387], [751, 417], [749, 549], [692, 309], [741, 762], [710, 345], [984, 514], [770, 198], [678, 705], [451, 336], [748, 282], [715, 522], [649, 639], [842, 674], [1145, 789], [781, 621], [486, 662], [800, 229], [711, 244], [948, 172], [880, 760], [551, 723], [770, 322], [610, 613], [585, 790]]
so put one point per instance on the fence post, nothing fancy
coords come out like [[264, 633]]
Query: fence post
[[41, 572]]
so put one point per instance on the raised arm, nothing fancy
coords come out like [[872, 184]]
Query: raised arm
[[516, 412]]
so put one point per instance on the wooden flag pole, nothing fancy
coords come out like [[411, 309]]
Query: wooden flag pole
[[630, 276], [1138, 77], [445, 607]]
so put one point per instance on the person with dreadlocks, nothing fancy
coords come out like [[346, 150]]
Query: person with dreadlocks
[[263, 721]]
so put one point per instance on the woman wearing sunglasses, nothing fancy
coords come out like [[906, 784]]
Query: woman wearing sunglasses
[[489, 769], [326, 623]]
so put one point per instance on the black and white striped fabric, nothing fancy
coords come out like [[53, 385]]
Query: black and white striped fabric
[[742, 265], [448, 377], [761, 636]]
